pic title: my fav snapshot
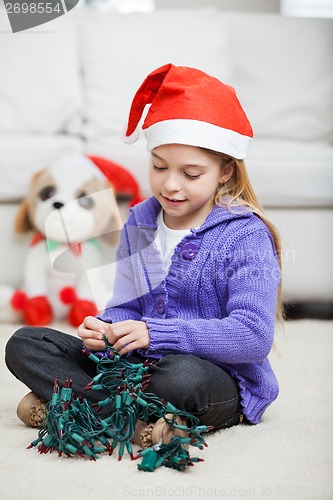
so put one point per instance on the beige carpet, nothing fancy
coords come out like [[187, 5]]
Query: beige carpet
[[288, 455]]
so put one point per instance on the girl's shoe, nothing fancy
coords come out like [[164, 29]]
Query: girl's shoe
[[31, 410], [161, 432]]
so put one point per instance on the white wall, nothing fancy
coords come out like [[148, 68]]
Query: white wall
[[232, 5]]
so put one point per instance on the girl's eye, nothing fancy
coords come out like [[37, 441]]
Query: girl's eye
[[193, 177], [161, 169]]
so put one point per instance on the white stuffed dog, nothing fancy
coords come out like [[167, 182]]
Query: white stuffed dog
[[69, 206]]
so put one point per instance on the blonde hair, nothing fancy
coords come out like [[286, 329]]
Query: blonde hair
[[238, 191]]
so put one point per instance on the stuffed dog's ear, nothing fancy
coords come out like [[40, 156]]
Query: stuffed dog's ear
[[112, 234], [22, 221]]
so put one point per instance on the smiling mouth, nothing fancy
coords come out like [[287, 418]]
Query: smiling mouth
[[172, 200]]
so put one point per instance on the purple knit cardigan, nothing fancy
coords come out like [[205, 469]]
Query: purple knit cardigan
[[217, 301]]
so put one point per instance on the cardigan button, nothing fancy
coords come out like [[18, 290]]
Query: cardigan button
[[160, 306], [189, 251]]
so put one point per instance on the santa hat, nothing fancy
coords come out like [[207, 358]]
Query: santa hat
[[123, 182], [189, 107]]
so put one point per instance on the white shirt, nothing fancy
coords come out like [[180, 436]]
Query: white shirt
[[167, 239]]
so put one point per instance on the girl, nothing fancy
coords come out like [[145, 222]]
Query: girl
[[198, 271]]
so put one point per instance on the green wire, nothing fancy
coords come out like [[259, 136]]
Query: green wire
[[72, 426]]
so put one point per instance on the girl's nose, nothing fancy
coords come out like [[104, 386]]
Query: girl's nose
[[172, 183]]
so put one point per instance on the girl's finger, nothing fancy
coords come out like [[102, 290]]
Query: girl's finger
[[130, 347], [118, 330], [89, 334], [94, 345], [92, 323], [124, 341]]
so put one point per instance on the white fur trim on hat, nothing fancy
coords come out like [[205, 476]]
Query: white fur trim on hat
[[197, 133], [129, 139]]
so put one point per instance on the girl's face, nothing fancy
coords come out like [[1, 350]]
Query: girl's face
[[184, 180]]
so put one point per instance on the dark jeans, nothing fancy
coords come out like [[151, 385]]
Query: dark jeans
[[37, 355]]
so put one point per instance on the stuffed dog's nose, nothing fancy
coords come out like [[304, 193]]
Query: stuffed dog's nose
[[58, 205]]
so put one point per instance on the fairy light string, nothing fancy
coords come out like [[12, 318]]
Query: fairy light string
[[72, 425]]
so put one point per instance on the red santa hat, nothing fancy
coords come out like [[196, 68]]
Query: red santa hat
[[123, 182], [189, 107]]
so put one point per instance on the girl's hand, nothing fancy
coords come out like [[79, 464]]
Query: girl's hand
[[91, 331], [128, 335]]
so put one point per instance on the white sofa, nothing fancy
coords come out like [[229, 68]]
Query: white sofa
[[67, 86]]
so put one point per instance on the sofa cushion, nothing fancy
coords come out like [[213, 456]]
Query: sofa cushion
[[307, 241], [120, 50], [291, 173], [22, 155], [14, 249], [283, 72], [40, 89]]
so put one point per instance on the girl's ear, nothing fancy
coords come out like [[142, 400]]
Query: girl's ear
[[228, 170], [22, 219]]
